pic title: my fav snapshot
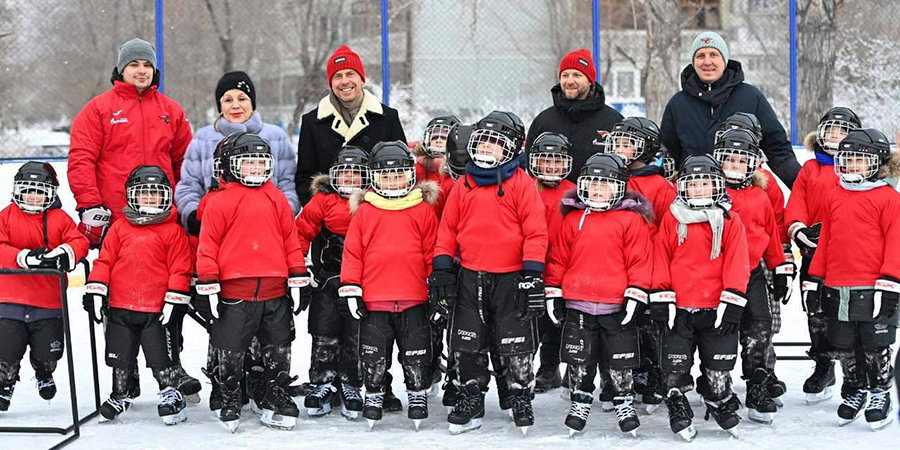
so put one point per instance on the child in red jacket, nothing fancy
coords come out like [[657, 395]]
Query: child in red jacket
[[550, 162], [322, 225], [700, 271], [34, 234], [855, 273], [141, 276], [601, 298], [249, 254], [494, 221], [430, 156], [804, 214], [387, 257]]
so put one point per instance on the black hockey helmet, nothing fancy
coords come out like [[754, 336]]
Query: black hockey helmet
[[602, 169], [668, 163], [148, 191], [835, 125], [549, 157], [737, 145], [501, 129], [457, 150], [639, 133], [390, 159], [35, 178], [741, 121], [238, 149], [700, 183], [866, 146], [439, 127], [349, 173]]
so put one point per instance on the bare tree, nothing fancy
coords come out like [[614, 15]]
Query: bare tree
[[816, 56], [223, 31]]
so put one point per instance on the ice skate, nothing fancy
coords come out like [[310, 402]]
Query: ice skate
[[278, 407], [468, 411], [852, 407], [680, 415], [879, 412], [820, 385], [374, 409], [318, 402], [626, 415], [171, 406], [351, 402], [578, 412], [418, 407]]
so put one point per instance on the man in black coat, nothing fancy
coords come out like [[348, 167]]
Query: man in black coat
[[712, 89], [348, 115], [579, 109]]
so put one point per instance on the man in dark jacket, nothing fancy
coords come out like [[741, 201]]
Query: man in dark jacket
[[579, 109], [713, 88], [348, 115]]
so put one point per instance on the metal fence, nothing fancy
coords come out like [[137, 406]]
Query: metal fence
[[464, 57]]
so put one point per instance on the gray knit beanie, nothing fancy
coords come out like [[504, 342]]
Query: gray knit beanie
[[133, 50], [710, 39]]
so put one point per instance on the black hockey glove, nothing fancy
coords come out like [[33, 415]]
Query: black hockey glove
[[300, 288], [811, 292], [193, 225], [662, 309], [556, 306], [729, 312], [175, 304], [806, 238], [94, 300], [783, 279], [636, 300], [210, 290], [441, 295], [350, 302], [887, 298], [530, 295]]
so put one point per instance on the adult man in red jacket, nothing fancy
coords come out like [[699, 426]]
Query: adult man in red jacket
[[130, 125]]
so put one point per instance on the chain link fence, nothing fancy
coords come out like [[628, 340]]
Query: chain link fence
[[466, 57]]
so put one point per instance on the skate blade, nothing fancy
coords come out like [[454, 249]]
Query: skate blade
[[633, 432], [473, 424], [652, 408], [272, 420], [733, 432], [875, 426], [689, 433], [574, 433], [192, 399], [524, 430], [102, 419], [509, 413], [173, 419], [417, 423], [232, 425], [449, 409], [372, 423], [319, 412], [842, 421], [349, 415], [818, 397], [565, 394], [765, 418], [607, 406]]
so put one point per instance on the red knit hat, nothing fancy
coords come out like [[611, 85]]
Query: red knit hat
[[581, 61], [344, 58]]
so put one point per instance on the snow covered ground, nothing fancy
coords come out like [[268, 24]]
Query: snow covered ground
[[797, 424]]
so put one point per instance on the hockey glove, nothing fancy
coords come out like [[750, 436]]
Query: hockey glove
[[810, 291], [806, 238], [530, 295], [93, 223], [94, 300], [175, 301], [61, 258], [350, 302], [441, 295], [662, 309], [301, 291], [193, 225], [556, 306], [887, 298], [33, 259], [729, 312], [636, 300], [210, 290], [783, 278]]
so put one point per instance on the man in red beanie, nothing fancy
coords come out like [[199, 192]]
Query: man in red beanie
[[579, 111], [348, 115]]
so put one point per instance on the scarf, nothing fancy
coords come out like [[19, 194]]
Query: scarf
[[487, 177], [395, 204], [715, 216], [136, 218], [347, 110], [864, 186], [824, 159]]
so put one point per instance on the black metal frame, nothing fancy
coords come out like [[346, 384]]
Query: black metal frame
[[75, 428], [790, 357]]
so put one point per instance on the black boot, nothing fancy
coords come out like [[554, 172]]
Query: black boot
[[469, 409], [523, 414], [230, 413], [725, 413], [819, 386], [6, 392], [278, 407], [680, 415], [547, 378], [215, 391], [761, 407]]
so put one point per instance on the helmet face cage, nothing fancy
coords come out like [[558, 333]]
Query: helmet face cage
[[217, 167], [348, 179], [668, 168], [259, 167], [550, 166], [700, 191], [856, 167], [728, 158], [436, 131], [33, 196], [830, 133], [629, 145], [489, 148], [149, 199], [600, 193], [394, 182]]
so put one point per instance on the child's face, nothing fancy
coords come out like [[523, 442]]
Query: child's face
[[490, 148], [600, 191], [149, 199], [834, 134], [350, 179], [736, 163], [856, 164], [700, 189], [393, 180], [550, 165], [253, 167], [438, 140], [34, 198], [624, 147]]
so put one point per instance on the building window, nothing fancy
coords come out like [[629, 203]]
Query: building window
[[626, 84], [701, 14]]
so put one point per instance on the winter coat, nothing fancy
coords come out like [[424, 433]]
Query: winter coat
[[808, 200], [322, 225], [388, 252], [428, 169], [196, 172], [20, 230], [551, 197], [323, 133], [621, 235], [658, 191], [118, 131], [578, 120], [140, 263], [693, 115], [763, 238], [776, 198]]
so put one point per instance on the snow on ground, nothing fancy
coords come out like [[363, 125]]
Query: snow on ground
[[797, 424]]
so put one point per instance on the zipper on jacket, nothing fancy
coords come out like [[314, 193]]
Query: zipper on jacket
[[712, 109], [396, 306], [256, 292]]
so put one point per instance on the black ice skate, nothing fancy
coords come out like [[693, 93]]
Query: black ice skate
[[171, 406], [625, 414], [374, 409], [523, 414], [418, 407], [46, 387], [189, 386], [301, 390], [819, 386], [114, 406], [852, 406], [578, 412], [215, 391], [318, 402], [547, 378], [468, 411], [351, 401], [6, 392], [680, 415], [760, 407], [451, 394], [230, 412], [725, 413], [879, 412], [776, 388], [647, 384], [278, 407], [391, 402]]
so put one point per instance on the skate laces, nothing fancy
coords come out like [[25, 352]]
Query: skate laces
[[877, 400], [580, 410], [419, 399], [858, 399], [171, 396], [322, 390], [120, 405], [350, 393], [521, 404], [375, 401], [625, 409]]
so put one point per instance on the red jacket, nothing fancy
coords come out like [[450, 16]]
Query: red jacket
[[763, 240], [20, 230], [325, 209], [686, 269], [776, 198], [494, 233], [248, 237], [388, 252], [140, 263], [443, 181], [860, 238], [808, 200], [551, 198], [118, 131], [622, 237], [658, 190]]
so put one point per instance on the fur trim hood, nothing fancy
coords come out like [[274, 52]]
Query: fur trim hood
[[430, 193], [321, 183], [631, 201], [810, 142]]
